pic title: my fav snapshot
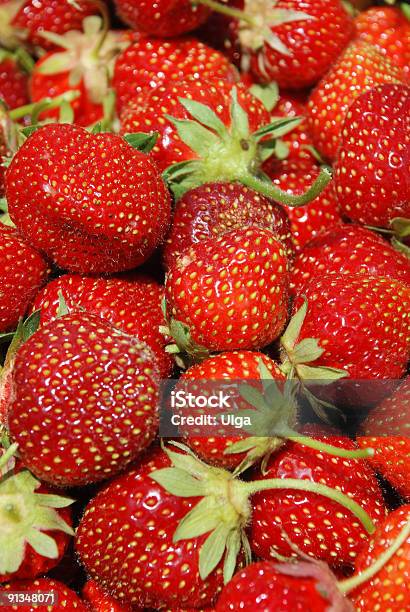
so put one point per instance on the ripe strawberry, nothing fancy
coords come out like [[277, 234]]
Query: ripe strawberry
[[100, 601], [360, 68], [95, 388], [314, 525], [22, 274], [85, 64], [166, 18], [65, 598], [292, 586], [229, 292], [348, 249], [384, 430], [101, 206], [319, 215], [212, 209], [35, 523], [388, 29], [131, 303], [13, 80], [390, 584], [150, 62], [372, 165]]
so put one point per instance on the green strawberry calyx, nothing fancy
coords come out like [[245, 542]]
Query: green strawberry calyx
[[224, 509], [25, 516], [10, 36], [232, 154]]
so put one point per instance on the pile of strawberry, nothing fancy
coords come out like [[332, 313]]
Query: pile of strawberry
[[197, 191]]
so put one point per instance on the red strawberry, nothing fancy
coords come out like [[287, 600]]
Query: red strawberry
[[101, 206], [13, 80], [150, 62], [25, 20], [85, 64], [100, 601], [388, 29], [212, 209], [319, 215], [384, 430], [56, 594], [165, 18], [372, 169], [314, 525], [293, 586], [348, 249], [95, 388], [35, 523], [360, 68], [23, 272], [390, 584], [229, 292]]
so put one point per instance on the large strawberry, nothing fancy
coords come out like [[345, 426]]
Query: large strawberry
[[43, 593], [35, 523], [384, 430], [214, 208], [165, 18], [348, 249], [213, 131], [150, 62], [372, 168], [131, 303], [89, 201], [22, 274], [359, 68], [94, 388], [228, 292], [13, 80]]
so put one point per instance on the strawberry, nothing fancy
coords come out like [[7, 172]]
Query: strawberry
[[100, 601], [165, 18], [372, 165], [150, 62], [319, 215], [55, 592], [178, 516], [35, 523], [348, 249], [91, 214], [131, 303], [228, 127], [388, 28], [26, 20], [84, 63], [214, 208], [360, 68], [229, 292], [383, 430], [13, 80], [23, 272], [95, 388], [390, 584]]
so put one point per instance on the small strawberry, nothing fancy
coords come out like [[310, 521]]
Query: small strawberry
[[388, 28], [150, 62], [13, 80], [360, 68], [348, 249], [319, 215], [101, 206], [372, 167], [384, 430], [100, 601], [95, 388], [212, 209], [56, 594], [22, 274], [165, 18], [35, 523], [229, 292]]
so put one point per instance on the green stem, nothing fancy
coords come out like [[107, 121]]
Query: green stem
[[382, 230], [352, 583], [7, 455], [35, 108], [331, 450], [269, 190], [105, 25], [226, 10], [313, 487]]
